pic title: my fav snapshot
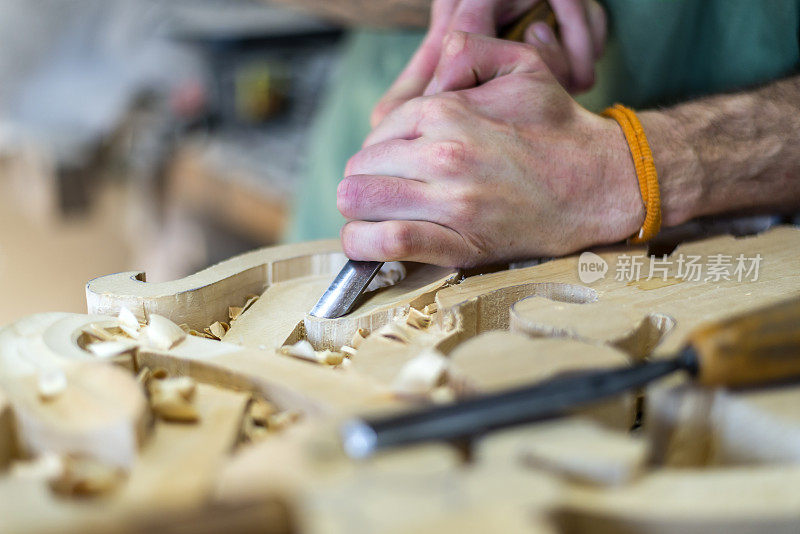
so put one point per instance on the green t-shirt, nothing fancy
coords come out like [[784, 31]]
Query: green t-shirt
[[659, 52]]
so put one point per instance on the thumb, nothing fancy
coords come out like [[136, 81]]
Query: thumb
[[469, 59]]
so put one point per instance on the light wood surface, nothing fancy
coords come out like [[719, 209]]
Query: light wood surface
[[704, 459]]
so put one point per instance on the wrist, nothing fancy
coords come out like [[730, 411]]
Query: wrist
[[625, 208]]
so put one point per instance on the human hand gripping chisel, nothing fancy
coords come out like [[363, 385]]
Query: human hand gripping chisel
[[355, 276], [759, 347]]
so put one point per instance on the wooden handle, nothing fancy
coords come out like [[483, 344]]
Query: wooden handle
[[538, 13], [753, 348]]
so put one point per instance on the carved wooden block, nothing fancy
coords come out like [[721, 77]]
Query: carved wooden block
[[118, 421]]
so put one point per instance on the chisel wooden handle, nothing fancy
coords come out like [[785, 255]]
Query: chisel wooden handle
[[752, 348], [541, 12]]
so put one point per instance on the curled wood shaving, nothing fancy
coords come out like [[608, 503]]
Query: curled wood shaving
[[110, 349], [172, 406], [430, 309], [261, 410], [218, 329], [234, 312], [144, 376], [43, 467], [263, 419], [305, 351], [161, 333], [250, 301], [358, 337], [128, 322], [51, 383], [171, 398], [98, 333], [348, 351], [422, 374], [443, 394], [281, 420], [391, 273], [85, 476], [417, 319]]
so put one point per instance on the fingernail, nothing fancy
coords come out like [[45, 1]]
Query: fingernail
[[543, 32]]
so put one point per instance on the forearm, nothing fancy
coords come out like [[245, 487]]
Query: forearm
[[375, 13], [728, 153]]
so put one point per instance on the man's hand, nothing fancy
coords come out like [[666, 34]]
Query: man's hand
[[513, 168], [582, 25]]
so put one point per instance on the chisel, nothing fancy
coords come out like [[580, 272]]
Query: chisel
[[355, 276], [751, 349]]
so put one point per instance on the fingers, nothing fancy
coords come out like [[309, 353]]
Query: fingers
[[598, 25], [390, 158], [432, 117], [469, 59], [542, 36], [420, 241], [578, 41], [475, 16], [380, 198], [412, 81]]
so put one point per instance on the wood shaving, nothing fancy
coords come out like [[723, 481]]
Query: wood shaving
[[184, 386], [391, 273], [84, 476], [144, 376], [201, 334], [128, 323], [98, 333], [358, 337], [260, 410], [159, 373], [281, 420], [430, 309], [43, 467], [161, 333], [422, 374], [171, 399], [264, 418], [443, 395], [51, 383], [172, 406], [250, 301], [417, 319], [348, 351], [127, 318], [234, 312], [305, 351], [218, 330], [110, 349]]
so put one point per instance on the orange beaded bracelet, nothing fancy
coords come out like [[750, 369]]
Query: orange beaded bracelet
[[645, 170]]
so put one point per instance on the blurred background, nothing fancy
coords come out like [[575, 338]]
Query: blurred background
[[161, 136]]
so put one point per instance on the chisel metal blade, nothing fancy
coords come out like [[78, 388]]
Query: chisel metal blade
[[345, 289], [477, 415]]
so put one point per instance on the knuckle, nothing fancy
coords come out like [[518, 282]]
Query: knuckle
[[454, 44], [398, 241], [448, 157]]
